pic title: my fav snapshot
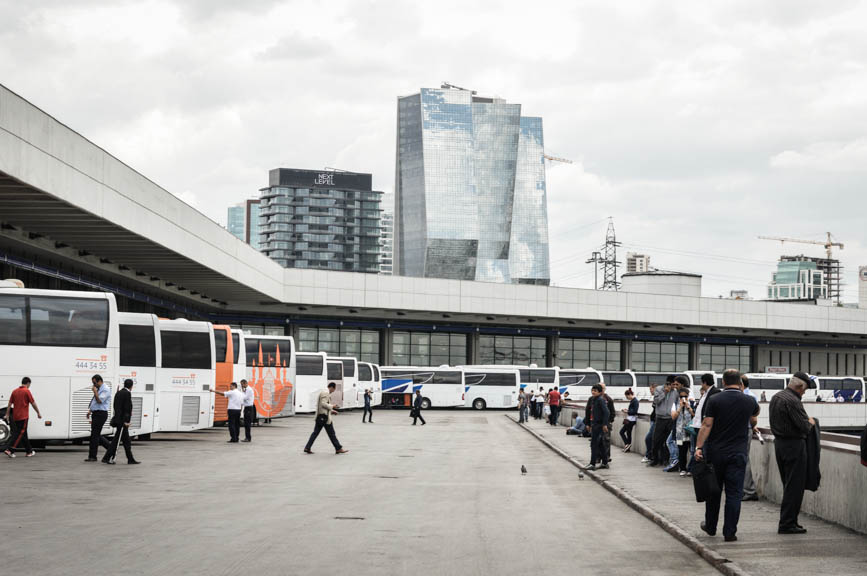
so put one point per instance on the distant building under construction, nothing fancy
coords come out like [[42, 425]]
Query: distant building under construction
[[806, 278]]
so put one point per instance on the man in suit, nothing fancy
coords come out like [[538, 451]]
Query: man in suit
[[416, 409], [324, 410], [368, 411], [122, 417]]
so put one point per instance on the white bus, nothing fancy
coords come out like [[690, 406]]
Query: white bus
[[59, 339], [764, 385], [352, 393], [139, 358], [334, 371], [310, 379], [849, 388], [618, 382], [532, 378], [270, 364], [441, 387], [491, 387], [369, 377], [185, 376], [578, 382]]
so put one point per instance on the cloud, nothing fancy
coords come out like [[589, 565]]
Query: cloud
[[697, 126], [840, 157]]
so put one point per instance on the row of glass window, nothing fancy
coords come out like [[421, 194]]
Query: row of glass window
[[428, 349], [581, 353], [521, 350]]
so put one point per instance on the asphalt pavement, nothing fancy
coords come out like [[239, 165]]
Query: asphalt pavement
[[445, 498]]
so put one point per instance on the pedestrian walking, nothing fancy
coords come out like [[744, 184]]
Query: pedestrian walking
[[18, 416], [249, 407], [532, 396], [233, 409], [120, 421], [722, 441], [790, 425], [598, 429], [554, 404], [630, 420], [97, 413], [416, 409], [324, 410], [368, 410]]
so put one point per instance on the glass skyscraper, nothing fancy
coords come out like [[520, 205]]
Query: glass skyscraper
[[470, 191], [320, 219], [235, 221]]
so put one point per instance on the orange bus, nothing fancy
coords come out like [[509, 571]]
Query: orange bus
[[225, 355]]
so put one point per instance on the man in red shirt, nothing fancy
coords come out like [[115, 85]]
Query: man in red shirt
[[554, 403], [18, 413]]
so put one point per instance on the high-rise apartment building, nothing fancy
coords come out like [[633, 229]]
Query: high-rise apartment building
[[637, 262], [320, 219], [386, 244], [470, 196], [235, 221]]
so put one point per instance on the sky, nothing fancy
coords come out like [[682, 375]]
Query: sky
[[696, 126]]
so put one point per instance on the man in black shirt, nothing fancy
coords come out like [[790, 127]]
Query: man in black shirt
[[790, 426], [599, 428], [723, 442]]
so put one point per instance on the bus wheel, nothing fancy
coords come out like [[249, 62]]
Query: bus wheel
[[5, 434], [425, 403], [479, 404], [144, 436]]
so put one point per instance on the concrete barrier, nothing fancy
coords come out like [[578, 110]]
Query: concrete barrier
[[840, 498]]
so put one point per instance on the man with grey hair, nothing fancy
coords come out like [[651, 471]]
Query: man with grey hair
[[790, 425]]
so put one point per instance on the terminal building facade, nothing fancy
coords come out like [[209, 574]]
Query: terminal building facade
[[470, 192], [74, 217]]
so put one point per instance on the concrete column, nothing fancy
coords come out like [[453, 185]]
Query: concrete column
[[385, 341], [693, 355], [552, 349], [626, 354], [473, 348]]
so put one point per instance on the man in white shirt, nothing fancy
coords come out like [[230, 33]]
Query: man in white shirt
[[249, 409], [236, 399]]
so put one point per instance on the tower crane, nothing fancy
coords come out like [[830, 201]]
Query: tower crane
[[447, 86], [828, 244], [557, 159]]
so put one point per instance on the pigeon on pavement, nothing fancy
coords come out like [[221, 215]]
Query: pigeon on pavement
[[523, 469]]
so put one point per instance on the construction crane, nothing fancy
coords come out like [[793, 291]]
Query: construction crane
[[558, 159], [446, 86], [828, 244]]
